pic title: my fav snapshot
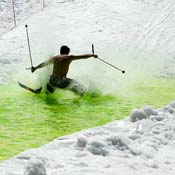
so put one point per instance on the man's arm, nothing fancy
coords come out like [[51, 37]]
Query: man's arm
[[85, 56], [50, 61]]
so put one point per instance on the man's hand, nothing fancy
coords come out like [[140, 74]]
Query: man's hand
[[33, 69]]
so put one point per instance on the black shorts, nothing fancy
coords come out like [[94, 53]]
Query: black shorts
[[60, 82], [67, 83]]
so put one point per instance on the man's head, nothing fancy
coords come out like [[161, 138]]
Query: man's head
[[64, 50]]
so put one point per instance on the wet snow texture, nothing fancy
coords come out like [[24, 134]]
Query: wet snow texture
[[138, 32], [23, 9], [145, 146], [141, 144]]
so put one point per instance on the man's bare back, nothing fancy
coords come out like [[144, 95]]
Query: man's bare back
[[61, 65]]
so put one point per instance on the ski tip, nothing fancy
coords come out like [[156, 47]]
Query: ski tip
[[36, 91]]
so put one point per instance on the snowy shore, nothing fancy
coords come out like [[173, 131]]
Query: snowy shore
[[143, 143]]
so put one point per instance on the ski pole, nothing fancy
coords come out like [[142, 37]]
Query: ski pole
[[43, 4], [123, 71], [27, 33], [14, 13]]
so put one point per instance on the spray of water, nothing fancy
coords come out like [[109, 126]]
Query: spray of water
[[136, 36]]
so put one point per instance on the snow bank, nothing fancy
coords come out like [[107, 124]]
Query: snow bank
[[139, 114], [138, 32], [35, 167], [144, 146]]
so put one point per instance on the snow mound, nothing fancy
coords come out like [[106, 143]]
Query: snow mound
[[148, 110], [137, 114], [35, 167], [145, 112], [172, 104], [98, 148], [120, 142], [117, 146], [169, 109], [81, 141]]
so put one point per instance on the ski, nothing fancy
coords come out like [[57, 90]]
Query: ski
[[36, 91]]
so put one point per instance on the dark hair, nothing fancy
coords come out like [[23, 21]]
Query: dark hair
[[64, 50]]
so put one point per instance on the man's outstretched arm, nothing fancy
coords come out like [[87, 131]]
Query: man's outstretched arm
[[50, 61], [85, 56]]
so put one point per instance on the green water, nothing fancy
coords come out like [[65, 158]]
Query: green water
[[28, 120]]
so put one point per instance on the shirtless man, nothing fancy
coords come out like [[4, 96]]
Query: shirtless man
[[60, 69]]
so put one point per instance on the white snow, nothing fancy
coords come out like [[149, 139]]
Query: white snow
[[142, 147], [129, 33], [35, 167]]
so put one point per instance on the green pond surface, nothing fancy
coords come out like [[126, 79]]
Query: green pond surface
[[28, 120]]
